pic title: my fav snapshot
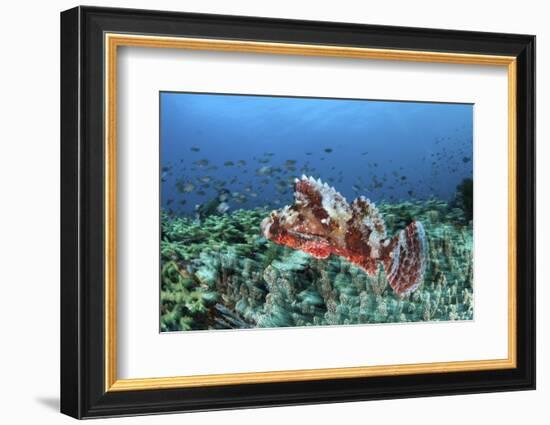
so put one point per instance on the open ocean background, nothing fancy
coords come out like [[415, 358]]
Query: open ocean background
[[254, 146]]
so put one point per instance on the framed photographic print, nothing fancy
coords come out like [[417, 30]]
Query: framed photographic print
[[261, 212]]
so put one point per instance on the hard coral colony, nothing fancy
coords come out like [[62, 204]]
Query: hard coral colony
[[222, 273], [321, 223]]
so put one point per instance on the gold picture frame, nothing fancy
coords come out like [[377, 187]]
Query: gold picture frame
[[114, 41]]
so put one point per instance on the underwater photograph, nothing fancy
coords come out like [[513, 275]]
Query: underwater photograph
[[283, 211]]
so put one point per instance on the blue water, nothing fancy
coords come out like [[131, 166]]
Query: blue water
[[254, 146]]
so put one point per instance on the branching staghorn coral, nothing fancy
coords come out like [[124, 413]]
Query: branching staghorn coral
[[222, 273]]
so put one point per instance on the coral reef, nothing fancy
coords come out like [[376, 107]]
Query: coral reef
[[464, 198], [321, 223], [222, 273]]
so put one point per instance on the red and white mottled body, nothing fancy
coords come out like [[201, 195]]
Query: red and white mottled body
[[321, 223]]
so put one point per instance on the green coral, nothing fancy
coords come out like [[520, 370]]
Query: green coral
[[185, 303], [221, 273]]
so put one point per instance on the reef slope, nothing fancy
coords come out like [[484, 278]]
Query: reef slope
[[223, 273]]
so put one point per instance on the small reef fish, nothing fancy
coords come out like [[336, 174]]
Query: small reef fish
[[184, 187], [201, 162], [222, 208], [321, 223], [264, 171], [189, 187], [215, 206], [239, 198], [205, 179]]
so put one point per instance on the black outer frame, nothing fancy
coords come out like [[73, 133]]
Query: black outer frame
[[82, 217]]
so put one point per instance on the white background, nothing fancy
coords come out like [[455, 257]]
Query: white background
[[29, 229], [141, 345]]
